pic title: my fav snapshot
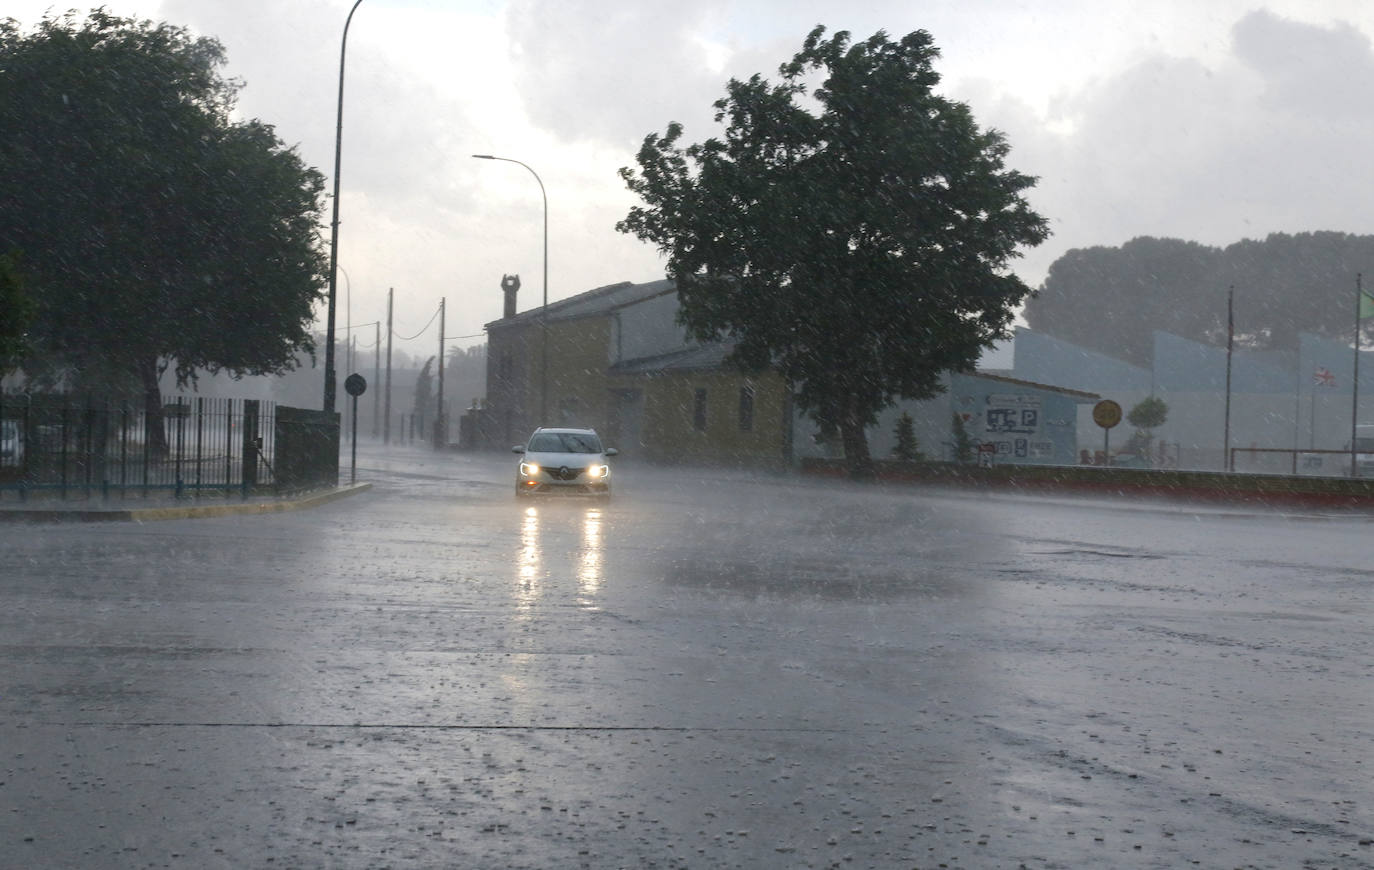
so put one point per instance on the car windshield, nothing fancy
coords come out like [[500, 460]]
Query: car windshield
[[564, 442]]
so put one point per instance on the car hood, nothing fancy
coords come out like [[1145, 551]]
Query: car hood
[[558, 460]]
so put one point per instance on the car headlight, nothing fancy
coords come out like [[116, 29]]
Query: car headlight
[[598, 470], [528, 468]]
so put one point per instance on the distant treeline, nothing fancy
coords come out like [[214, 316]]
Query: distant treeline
[[1111, 299]]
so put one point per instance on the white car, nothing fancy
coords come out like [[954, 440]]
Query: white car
[[563, 460]]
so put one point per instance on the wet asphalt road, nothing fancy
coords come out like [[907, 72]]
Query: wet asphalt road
[[713, 670]]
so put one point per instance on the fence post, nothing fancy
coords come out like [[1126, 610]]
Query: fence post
[[143, 415], [62, 449], [200, 437], [250, 445], [229, 450], [180, 413], [88, 446], [123, 448]]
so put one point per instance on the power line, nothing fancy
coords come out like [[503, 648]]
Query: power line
[[421, 332]]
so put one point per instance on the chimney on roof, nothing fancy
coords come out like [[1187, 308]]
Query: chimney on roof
[[510, 285]]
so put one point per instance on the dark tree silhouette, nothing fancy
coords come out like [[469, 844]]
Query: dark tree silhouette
[[156, 230], [860, 249]]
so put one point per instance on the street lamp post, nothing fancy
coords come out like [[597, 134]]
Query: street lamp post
[[329, 376], [544, 312]]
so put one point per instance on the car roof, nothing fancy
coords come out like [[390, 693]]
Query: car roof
[[566, 431]]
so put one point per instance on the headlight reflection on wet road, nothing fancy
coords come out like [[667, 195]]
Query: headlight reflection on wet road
[[537, 562], [528, 579], [589, 578]]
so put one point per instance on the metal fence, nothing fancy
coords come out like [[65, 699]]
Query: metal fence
[[58, 446]]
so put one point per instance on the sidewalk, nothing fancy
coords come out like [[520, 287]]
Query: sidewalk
[[47, 509]]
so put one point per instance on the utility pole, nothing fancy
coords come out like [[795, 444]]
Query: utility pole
[[440, 435], [1230, 344], [376, 378], [1355, 381], [386, 417], [329, 375]]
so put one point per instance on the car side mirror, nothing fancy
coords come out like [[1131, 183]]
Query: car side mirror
[[519, 448], [611, 451]]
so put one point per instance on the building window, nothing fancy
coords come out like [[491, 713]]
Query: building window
[[699, 411], [746, 409]]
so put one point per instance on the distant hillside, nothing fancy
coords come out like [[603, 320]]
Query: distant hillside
[[1112, 299]]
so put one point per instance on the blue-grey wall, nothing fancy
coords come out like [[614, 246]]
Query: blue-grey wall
[[1044, 359], [1029, 425]]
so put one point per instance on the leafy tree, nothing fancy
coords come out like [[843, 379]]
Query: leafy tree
[[860, 249], [963, 442], [465, 376], [1148, 414], [425, 407], [157, 232], [1112, 299], [906, 448], [16, 312]]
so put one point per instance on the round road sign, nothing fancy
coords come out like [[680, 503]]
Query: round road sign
[[355, 384], [1106, 413]]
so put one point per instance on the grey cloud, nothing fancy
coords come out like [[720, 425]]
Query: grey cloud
[[1306, 68], [593, 71], [1269, 139], [400, 135]]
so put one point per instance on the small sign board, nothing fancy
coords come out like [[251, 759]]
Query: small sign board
[[1106, 413], [355, 384]]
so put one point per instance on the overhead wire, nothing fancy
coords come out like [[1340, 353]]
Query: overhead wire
[[421, 332]]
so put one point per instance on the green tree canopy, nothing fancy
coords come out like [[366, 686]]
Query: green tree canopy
[[16, 312], [906, 448], [155, 229], [1149, 413], [858, 242], [1111, 300]]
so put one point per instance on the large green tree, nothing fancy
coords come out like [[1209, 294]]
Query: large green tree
[[856, 238], [156, 229]]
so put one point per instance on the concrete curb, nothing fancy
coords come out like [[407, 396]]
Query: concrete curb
[[141, 515], [1187, 486]]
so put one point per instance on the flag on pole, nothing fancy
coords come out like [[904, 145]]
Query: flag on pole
[[1323, 377], [1366, 304]]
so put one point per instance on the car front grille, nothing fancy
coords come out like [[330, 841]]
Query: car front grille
[[565, 473]]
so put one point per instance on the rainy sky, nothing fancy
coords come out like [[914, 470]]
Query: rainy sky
[[1210, 121]]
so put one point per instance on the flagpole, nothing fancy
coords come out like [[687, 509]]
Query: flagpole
[[1230, 341], [1297, 410], [1355, 381]]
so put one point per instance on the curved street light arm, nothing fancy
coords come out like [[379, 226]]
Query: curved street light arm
[[544, 314], [329, 376]]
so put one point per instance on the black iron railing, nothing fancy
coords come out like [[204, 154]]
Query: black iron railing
[[61, 447]]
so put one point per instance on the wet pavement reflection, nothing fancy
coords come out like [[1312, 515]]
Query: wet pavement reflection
[[714, 669], [559, 543]]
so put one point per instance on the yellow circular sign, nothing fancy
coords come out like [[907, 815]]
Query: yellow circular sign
[[1106, 413]]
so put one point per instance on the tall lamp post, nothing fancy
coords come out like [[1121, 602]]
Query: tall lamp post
[[329, 386], [544, 312]]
